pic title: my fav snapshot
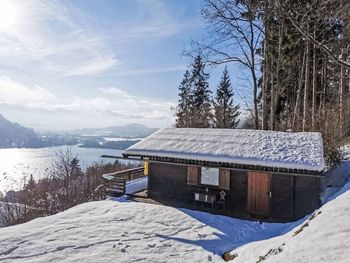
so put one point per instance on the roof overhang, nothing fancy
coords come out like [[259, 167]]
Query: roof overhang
[[181, 161]]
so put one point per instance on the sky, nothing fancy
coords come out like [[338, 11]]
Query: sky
[[94, 63]]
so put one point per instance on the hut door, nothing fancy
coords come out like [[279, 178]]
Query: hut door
[[259, 193]]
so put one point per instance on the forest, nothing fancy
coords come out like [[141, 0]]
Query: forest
[[296, 56]]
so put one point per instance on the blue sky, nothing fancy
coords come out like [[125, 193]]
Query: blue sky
[[93, 63]]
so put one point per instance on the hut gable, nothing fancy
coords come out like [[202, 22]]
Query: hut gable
[[286, 150]]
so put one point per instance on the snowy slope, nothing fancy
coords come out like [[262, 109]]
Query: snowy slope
[[325, 237], [302, 150], [111, 231], [115, 231], [118, 231]]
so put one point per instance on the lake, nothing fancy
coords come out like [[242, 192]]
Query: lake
[[17, 164]]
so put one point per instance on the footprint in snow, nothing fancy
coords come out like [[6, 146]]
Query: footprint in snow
[[63, 247]]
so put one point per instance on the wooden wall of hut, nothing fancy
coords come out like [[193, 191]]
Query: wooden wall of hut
[[292, 197]]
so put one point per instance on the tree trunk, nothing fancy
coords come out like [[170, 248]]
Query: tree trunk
[[300, 86], [272, 97], [265, 70], [307, 85], [342, 88], [324, 87], [320, 107], [314, 79], [264, 88], [255, 87], [276, 88]]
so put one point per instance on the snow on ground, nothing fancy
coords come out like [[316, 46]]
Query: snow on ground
[[335, 179], [124, 231], [324, 237], [345, 150], [119, 139], [301, 150], [112, 231], [136, 185]]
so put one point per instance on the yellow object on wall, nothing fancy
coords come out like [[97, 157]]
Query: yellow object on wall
[[145, 171]]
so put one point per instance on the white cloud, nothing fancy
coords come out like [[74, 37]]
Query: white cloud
[[114, 91], [12, 92], [112, 100], [92, 67], [147, 71], [62, 40], [48, 36]]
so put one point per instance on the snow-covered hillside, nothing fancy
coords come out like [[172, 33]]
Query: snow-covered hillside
[[124, 231], [324, 237], [112, 231]]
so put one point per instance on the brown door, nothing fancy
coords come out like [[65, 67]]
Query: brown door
[[259, 193]]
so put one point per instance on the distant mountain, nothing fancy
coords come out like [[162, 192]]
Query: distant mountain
[[124, 131], [13, 135]]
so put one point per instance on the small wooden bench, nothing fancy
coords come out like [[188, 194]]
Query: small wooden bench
[[208, 198]]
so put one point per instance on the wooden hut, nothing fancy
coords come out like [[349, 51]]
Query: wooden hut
[[267, 174]]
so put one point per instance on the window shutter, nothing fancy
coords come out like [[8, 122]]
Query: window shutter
[[192, 175], [224, 179]]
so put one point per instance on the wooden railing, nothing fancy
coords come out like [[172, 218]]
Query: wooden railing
[[114, 184]]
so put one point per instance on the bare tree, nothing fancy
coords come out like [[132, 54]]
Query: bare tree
[[234, 36], [66, 168]]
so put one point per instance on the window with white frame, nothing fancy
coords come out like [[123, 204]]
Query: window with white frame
[[210, 176]]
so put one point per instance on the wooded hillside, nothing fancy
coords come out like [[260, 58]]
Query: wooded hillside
[[296, 54]]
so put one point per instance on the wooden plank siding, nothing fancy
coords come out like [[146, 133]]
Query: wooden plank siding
[[236, 198], [282, 196], [306, 195], [292, 197], [169, 181], [258, 202], [193, 173], [224, 179]]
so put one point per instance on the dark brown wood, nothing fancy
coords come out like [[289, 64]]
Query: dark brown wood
[[291, 196], [306, 196], [169, 182], [224, 179], [236, 198], [259, 193], [192, 175], [199, 163], [115, 183], [282, 199]]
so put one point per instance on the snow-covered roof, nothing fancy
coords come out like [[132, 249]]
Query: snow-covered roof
[[287, 150]]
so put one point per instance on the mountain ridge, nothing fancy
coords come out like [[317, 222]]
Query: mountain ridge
[[14, 135]]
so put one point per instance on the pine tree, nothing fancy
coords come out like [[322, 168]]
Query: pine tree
[[226, 114], [183, 110], [201, 110]]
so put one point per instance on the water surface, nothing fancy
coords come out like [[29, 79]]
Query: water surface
[[16, 165]]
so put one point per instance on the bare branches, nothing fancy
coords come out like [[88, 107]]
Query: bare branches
[[234, 35], [304, 32]]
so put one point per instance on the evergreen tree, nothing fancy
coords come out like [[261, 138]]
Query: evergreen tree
[[201, 110], [226, 114], [183, 110]]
